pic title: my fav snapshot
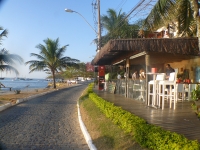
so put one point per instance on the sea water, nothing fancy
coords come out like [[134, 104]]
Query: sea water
[[24, 84]]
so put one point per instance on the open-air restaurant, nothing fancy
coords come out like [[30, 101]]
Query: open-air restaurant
[[158, 72]]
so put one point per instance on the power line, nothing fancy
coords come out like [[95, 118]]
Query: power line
[[141, 6], [94, 7], [121, 4], [120, 24]]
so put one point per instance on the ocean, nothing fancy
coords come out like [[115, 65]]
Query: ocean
[[23, 83]]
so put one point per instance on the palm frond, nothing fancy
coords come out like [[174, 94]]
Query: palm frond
[[3, 34], [186, 21], [8, 68], [160, 14], [7, 60]]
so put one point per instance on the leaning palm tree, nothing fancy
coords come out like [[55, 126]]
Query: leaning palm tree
[[50, 58], [7, 60]]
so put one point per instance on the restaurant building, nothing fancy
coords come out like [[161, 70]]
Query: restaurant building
[[144, 54]]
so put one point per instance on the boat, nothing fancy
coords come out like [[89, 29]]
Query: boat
[[15, 79], [28, 79], [21, 78], [1, 78]]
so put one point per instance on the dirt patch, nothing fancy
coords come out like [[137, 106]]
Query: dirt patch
[[11, 96]]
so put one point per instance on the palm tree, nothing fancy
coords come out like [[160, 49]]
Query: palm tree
[[7, 60], [114, 23], [50, 58], [197, 16], [180, 12], [117, 26]]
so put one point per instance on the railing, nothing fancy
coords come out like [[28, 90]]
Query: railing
[[135, 89]]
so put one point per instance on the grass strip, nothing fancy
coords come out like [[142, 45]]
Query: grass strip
[[104, 133]]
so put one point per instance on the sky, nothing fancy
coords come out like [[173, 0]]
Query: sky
[[29, 22]]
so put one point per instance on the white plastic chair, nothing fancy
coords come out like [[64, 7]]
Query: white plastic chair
[[154, 83], [179, 93], [189, 90], [167, 93]]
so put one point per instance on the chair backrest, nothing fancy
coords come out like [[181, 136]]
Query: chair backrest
[[136, 86], [192, 87], [172, 76], [160, 77], [180, 87]]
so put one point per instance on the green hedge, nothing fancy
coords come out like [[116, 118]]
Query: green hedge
[[149, 136]]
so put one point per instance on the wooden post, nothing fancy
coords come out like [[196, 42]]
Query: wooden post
[[127, 76], [147, 64]]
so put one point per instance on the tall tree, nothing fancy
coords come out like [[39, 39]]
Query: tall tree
[[180, 12], [7, 60], [51, 58], [117, 26]]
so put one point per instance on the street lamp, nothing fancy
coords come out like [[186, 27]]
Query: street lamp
[[99, 28], [72, 11]]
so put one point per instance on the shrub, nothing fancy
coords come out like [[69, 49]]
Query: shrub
[[149, 136], [17, 91]]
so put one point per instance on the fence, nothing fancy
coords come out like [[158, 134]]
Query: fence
[[135, 89]]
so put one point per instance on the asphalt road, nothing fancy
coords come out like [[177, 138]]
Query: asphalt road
[[48, 122]]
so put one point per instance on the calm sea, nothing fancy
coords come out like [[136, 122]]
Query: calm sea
[[24, 84]]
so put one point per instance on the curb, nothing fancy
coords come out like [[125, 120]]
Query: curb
[[85, 132], [5, 106]]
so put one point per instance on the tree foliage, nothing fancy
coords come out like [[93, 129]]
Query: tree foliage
[[180, 13], [7, 61], [50, 58], [117, 26], [3, 33], [77, 71]]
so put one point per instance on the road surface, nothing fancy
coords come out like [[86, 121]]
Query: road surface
[[45, 122]]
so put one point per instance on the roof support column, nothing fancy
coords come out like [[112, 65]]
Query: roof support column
[[147, 64], [127, 77]]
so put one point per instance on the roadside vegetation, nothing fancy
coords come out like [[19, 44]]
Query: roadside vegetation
[[101, 117], [105, 134]]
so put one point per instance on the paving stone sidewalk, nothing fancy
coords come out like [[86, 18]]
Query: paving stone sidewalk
[[48, 122]]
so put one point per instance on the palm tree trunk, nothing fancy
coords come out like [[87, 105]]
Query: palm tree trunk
[[54, 80], [198, 30], [197, 16]]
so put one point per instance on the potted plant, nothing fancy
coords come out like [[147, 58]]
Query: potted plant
[[196, 99]]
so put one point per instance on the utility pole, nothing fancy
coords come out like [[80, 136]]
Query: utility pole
[[99, 26]]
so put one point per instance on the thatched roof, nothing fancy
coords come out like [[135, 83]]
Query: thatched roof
[[116, 50]]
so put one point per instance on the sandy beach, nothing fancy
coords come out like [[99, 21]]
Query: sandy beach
[[11, 96]]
